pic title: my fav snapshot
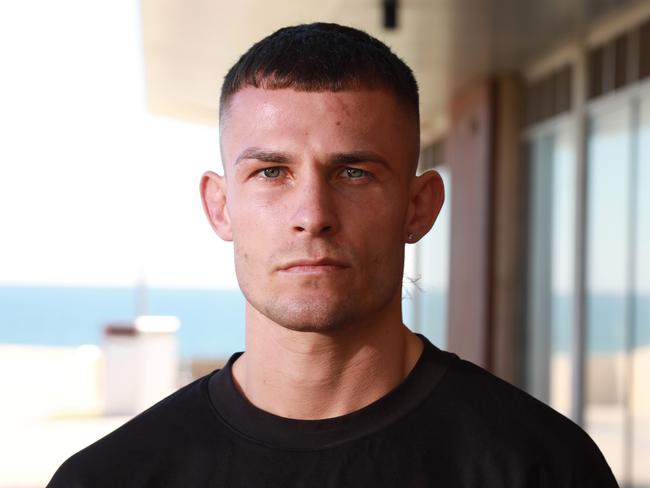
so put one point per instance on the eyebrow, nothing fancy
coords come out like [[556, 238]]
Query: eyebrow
[[353, 157], [350, 157], [262, 155]]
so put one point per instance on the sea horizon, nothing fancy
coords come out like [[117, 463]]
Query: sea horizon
[[212, 319]]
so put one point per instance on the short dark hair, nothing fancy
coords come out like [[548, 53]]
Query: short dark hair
[[321, 57]]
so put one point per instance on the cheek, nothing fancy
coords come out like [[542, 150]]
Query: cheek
[[253, 218], [255, 230], [384, 223], [382, 238]]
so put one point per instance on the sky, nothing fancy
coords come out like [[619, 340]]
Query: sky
[[94, 190]]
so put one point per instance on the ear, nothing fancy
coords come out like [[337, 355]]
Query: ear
[[427, 197], [213, 197]]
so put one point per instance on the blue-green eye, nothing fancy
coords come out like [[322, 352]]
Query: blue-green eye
[[354, 172], [271, 172]]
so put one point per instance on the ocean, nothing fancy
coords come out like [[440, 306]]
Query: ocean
[[212, 321]]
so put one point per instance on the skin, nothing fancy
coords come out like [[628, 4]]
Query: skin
[[319, 199]]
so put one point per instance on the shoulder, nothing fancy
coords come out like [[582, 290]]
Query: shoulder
[[142, 444], [500, 418], [495, 400]]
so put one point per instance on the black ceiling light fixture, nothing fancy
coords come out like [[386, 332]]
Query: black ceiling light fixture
[[390, 13]]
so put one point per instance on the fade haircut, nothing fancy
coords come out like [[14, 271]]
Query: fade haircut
[[321, 57]]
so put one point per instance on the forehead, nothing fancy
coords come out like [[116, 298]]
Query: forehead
[[290, 120]]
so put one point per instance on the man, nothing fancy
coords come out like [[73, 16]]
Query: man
[[319, 133]]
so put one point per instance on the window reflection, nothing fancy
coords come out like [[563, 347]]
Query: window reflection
[[606, 282], [616, 305], [562, 275], [640, 354], [551, 265]]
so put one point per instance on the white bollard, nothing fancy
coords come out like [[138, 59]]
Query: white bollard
[[141, 363]]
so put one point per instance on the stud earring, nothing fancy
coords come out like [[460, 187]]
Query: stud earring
[[409, 237]]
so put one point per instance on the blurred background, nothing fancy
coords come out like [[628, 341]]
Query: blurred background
[[114, 291]]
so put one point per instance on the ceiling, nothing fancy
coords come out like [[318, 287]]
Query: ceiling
[[190, 44]]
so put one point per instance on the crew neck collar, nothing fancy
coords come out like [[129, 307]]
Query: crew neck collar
[[274, 431]]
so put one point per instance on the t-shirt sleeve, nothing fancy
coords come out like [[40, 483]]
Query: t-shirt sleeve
[[67, 476], [592, 470]]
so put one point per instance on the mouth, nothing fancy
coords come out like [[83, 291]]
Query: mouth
[[313, 266]]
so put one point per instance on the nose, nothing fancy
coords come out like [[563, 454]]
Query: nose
[[314, 207]]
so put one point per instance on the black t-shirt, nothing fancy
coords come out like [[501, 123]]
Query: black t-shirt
[[448, 424]]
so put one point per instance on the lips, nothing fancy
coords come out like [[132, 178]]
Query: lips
[[313, 265]]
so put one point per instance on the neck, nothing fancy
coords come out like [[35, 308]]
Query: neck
[[316, 375]]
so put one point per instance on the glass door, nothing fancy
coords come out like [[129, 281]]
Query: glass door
[[607, 261], [552, 169], [639, 424]]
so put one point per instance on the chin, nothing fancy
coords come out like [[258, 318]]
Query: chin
[[311, 316]]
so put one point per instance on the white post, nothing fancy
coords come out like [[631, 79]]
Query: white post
[[141, 363]]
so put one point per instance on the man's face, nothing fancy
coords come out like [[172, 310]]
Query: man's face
[[317, 195]]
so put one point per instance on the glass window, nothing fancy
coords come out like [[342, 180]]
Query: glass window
[[616, 306], [551, 265], [640, 354], [608, 180]]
